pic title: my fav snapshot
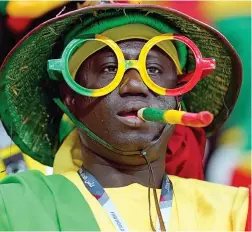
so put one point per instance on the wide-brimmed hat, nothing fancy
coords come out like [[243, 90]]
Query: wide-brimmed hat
[[31, 117]]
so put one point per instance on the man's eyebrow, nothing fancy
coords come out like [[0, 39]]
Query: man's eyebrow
[[158, 55], [106, 53], [155, 56]]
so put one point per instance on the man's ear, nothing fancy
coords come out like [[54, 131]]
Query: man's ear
[[67, 96]]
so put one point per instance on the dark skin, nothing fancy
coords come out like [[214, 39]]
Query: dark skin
[[111, 117]]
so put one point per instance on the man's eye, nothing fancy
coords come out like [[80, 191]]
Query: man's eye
[[110, 69], [153, 70]]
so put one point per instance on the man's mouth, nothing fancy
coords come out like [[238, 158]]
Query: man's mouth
[[131, 114], [128, 115]]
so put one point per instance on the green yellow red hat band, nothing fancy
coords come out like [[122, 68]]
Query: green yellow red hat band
[[130, 31], [101, 25]]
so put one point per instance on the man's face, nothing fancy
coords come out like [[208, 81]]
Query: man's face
[[113, 117]]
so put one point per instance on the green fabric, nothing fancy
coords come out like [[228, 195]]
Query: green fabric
[[31, 201], [66, 127]]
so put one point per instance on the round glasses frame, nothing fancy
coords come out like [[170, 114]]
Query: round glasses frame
[[203, 66]]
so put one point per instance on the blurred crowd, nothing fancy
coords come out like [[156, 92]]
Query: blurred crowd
[[227, 157]]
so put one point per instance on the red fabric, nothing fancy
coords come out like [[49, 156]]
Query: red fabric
[[248, 224], [241, 178], [185, 152]]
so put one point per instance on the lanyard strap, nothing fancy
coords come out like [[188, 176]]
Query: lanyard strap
[[165, 202], [95, 188], [98, 192]]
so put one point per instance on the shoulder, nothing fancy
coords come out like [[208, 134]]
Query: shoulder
[[204, 186], [30, 181], [31, 201], [32, 185], [224, 204]]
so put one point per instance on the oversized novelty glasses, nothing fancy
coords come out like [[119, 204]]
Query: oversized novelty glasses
[[112, 75]]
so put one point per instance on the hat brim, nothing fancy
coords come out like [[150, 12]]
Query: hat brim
[[32, 119]]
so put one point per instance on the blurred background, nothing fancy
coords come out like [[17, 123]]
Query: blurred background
[[227, 158]]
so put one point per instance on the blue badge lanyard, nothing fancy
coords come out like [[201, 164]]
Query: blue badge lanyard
[[99, 193]]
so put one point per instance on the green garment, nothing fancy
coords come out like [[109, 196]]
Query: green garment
[[31, 200]]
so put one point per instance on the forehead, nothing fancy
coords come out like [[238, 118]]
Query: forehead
[[131, 50]]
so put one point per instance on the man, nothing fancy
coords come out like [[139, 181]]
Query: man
[[101, 65]]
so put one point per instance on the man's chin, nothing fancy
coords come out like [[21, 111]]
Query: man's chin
[[132, 143]]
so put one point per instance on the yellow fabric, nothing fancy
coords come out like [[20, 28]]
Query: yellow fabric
[[197, 205], [68, 157], [137, 31]]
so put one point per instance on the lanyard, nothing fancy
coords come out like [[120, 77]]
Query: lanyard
[[95, 188]]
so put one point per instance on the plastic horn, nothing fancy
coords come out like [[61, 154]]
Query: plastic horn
[[201, 119]]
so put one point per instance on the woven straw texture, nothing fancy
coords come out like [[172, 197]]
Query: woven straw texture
[[32, 118]]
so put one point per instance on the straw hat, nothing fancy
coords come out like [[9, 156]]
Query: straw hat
[[31, 117]]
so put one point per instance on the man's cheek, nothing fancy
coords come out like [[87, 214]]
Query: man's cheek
[[167, 102]]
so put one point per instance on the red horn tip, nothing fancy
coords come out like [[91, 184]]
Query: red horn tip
[[206, 117]]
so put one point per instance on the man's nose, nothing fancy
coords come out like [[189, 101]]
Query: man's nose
[[132, 84]]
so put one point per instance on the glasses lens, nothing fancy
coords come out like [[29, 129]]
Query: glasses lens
[[164, 67], [94, 65]]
